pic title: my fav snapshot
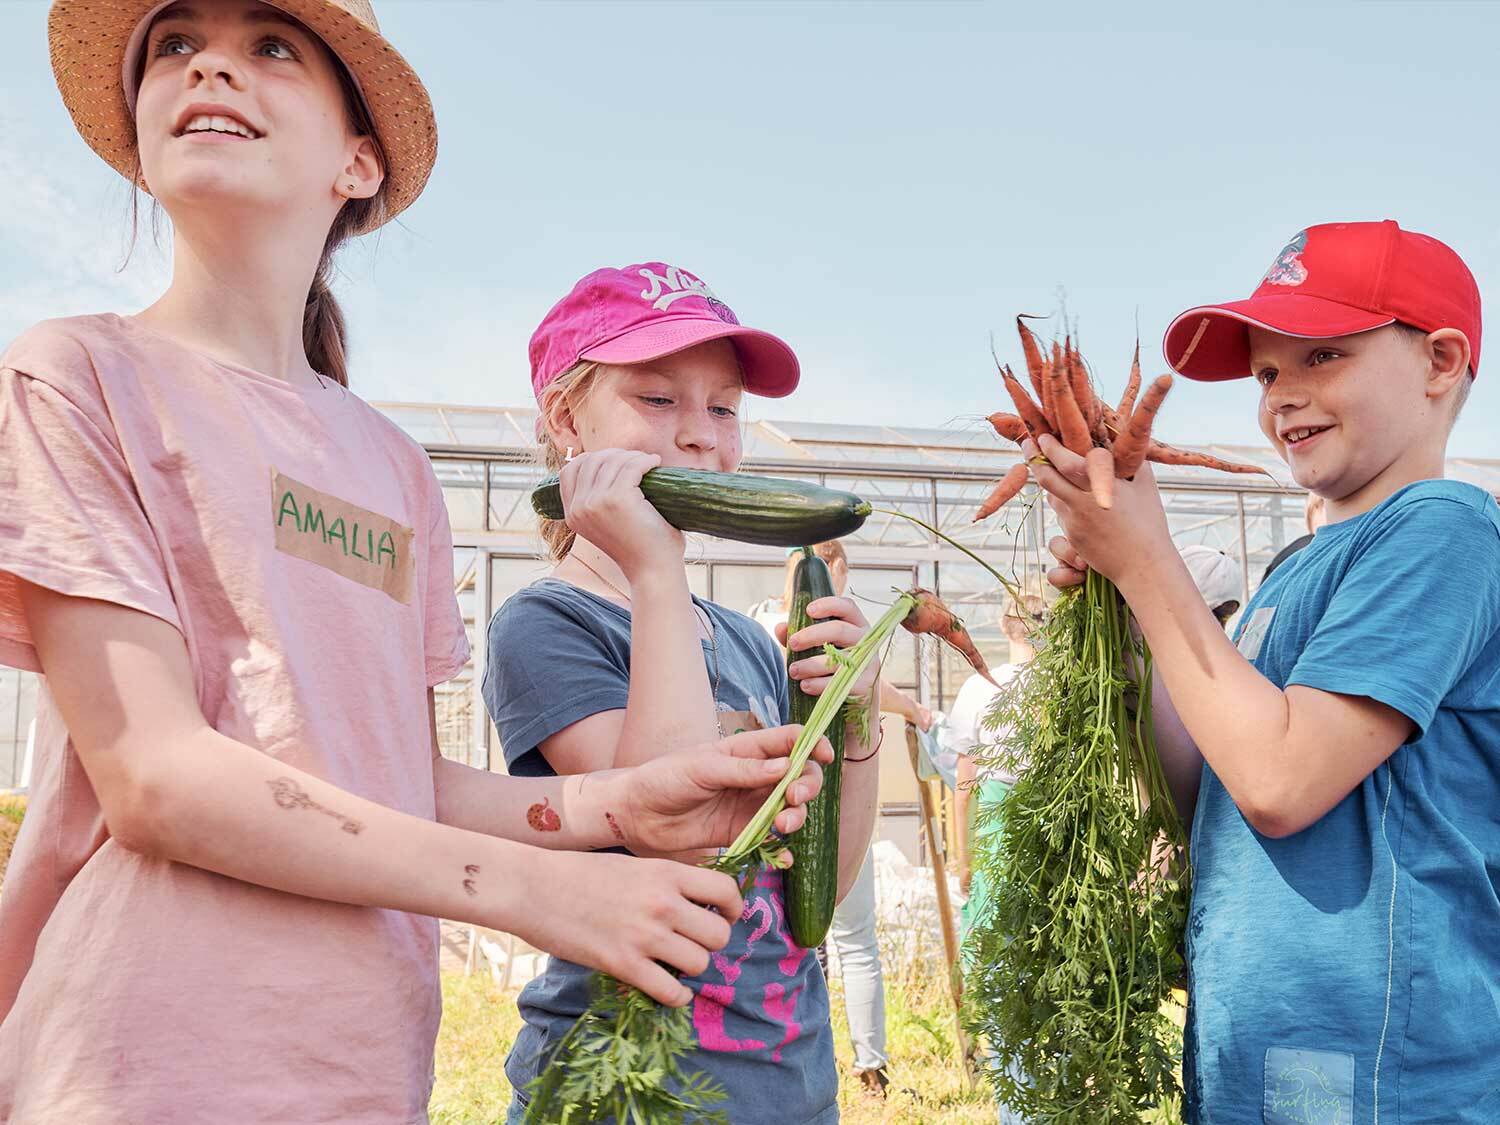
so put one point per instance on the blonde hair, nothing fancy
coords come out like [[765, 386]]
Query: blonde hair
[[567, 392]]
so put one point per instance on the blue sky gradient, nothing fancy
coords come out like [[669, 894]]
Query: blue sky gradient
[[881, 184]]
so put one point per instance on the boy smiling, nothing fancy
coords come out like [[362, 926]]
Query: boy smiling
[[1340, 757]]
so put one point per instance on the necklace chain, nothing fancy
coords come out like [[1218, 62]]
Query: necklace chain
[[708, 625]]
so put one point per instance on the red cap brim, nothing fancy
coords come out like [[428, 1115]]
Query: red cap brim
[[1211, 343], [771, 368]]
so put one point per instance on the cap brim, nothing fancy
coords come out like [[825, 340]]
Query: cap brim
[[771, 368], [1211, 342]]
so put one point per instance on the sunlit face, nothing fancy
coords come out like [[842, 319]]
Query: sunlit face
[[684, 407], [239, 103], [1344, 410]]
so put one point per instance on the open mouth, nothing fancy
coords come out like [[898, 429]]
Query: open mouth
[[217, 123], [1300, 435]]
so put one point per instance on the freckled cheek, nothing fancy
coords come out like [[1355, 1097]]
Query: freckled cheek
[[731, 449]]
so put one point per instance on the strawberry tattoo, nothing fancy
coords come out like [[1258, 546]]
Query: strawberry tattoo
[[543, 817]]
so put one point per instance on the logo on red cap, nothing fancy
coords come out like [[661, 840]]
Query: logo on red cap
[[1288, 269]]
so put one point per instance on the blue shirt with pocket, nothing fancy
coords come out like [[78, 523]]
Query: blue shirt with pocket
[[558, 654], [1350, 973]]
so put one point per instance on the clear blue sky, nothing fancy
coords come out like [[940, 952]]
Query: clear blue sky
[[882, 184]]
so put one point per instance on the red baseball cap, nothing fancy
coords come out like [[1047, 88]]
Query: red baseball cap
[[646, 311], [1333, 280]]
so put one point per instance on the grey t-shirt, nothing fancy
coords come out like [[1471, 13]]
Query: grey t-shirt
[[558, 654]]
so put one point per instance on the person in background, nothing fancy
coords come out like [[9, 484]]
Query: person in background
[[965, 733], [1315, 517], [853, 930], [1219, 578]]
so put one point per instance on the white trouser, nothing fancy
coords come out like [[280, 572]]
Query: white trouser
[[852, 936]]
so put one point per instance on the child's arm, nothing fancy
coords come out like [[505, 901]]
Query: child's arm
[[172, 787], [671, 704], [684, 801], [894, 701], [839, 622], [1286, 758], [963, 788]]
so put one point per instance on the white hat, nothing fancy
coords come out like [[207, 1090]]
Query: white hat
[[1218, 577]]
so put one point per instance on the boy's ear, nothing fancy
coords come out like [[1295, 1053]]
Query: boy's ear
[[1448, 360]]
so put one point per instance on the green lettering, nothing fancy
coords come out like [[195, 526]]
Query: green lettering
[[354, 541], [288, 505], [336, 531], [387, 547], [312, 522]]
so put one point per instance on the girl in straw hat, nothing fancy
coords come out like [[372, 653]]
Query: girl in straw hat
[[236, 578]]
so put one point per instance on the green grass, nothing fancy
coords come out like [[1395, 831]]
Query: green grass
[[927, 1087], [479, 1022]]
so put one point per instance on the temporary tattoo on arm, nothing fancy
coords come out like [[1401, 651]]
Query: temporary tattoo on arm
[[471, 870], [614, 826], [543, 817], [289, 795]]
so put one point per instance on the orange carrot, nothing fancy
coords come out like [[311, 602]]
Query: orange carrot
[[1132, 385], [1164, 454], [1083, 389], [1030, 413], [930, 617], [1033, 353], [1132, 445], [1071, 426], [1004, 491], [1012, 427], [1100, 464]]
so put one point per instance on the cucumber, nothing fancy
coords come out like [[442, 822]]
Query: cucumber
[[812, 881], [750, 509]]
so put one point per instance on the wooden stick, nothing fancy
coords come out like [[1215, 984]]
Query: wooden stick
[[936, 855]]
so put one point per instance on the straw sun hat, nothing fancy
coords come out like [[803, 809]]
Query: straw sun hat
[[92, 41]]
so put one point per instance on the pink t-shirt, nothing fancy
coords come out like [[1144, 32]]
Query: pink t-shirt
[[299, 541]]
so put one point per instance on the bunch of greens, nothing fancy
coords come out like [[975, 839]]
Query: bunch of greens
[[1071, 962], [624, 1059]]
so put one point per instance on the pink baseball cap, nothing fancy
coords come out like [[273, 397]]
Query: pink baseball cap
[[646, 311], [1336, 279]]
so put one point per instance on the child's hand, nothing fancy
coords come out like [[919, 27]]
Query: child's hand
[[703, 798], [1071, 570], [638, 920], [1130, 537], [836, 621], [602, 499]]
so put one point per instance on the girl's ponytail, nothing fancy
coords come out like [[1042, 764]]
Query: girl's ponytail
[[323, 331]]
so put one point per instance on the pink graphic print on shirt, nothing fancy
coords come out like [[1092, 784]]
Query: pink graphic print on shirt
[[713, 1000]]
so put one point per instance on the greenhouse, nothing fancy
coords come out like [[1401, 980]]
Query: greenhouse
[[485, 461]]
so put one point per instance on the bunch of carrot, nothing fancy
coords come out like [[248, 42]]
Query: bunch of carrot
[[1078, 946], [1113, 441]]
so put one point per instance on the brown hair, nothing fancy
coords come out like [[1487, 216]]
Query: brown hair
[[831, 552], [567, 391], [324, 333]]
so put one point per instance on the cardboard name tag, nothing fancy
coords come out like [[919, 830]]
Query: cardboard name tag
[[351, 541]]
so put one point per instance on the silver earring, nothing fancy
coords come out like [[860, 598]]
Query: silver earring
[[569, 457]]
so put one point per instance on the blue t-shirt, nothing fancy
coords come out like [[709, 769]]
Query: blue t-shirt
[[1350, 973], [558, 654]]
